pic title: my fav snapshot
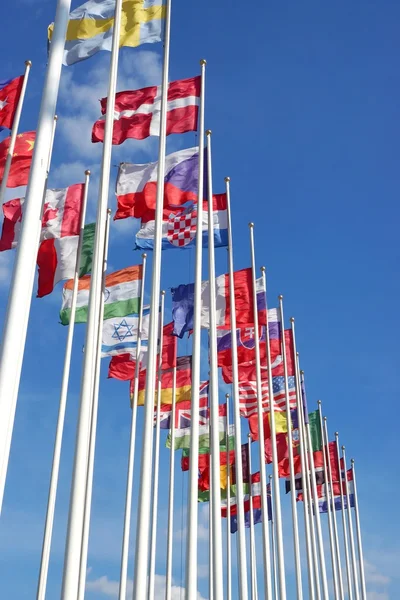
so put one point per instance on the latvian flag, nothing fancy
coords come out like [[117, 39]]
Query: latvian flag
[[137, 113], [248, 395]]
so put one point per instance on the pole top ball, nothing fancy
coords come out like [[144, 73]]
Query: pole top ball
[[249, 436], [203, 61], [280, 297], [227, 179], [336, 434], [343, 448], [227, 396], [325, 419], [109, 211], [28, 63], [263, 269], [301, 372], [319, 402], [87, 172], [251, 225], [292, 319], [56, 117], [352, 461], [144, 255], [208, 132]]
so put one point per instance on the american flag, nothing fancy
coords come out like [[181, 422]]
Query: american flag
[[248, 395], [184, 410]]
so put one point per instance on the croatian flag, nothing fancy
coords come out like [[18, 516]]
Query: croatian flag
[[137, 113], [179, 228], [10, 91], [137, 184]]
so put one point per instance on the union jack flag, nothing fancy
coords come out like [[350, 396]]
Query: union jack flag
[[184, 411], [248, 395]]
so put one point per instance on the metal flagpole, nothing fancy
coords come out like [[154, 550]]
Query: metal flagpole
[[228, 510], [325, 450], [210, 524], [273, 543], [214, 405], [358, 529], [131, 454], [260, 415], [275, 475], [93, 427], [14, 132], [51, 502], [334, 520], [168, 582], [77, 499], [351, 531], [241, 535], [156, 464], [344, 525], [253, 567], [317, 515], [312, 561], [19, 300], [295, 524]]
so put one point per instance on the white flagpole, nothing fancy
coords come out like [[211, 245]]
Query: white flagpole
[[210, 521], [214, 405], [228, 511], [275, 475], [78, 488], [260, 415], [317, 516], [329, 507], [14, 132], [253, 566], [351, 531], [19, 300], [358, 529], [295, 524], [51, 502], [241, 534], [131, 454], [93, 427], [273, 544], [334, 519], [344, 525], [156, 467], [312, 561], [168, 582]]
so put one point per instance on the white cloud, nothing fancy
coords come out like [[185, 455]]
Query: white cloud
[[110, 588], [373, 576]]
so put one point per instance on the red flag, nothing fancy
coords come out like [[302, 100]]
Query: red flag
[[21, 161], [10, 92], [183, 383]]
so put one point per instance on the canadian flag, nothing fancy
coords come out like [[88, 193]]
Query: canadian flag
[[137, 113]]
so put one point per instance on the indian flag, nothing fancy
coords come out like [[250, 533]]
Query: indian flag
[[121, 295]]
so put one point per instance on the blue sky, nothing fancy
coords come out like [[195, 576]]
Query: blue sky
[[302, 99]]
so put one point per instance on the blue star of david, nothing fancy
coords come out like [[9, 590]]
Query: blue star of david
[[126, 331]]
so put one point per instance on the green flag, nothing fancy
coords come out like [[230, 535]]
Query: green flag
[[85, 264], [315, 430]]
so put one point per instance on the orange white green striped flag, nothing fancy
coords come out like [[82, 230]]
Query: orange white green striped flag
[[121, 295]]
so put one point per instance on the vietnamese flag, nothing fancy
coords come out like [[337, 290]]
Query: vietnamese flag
[[21, 159]]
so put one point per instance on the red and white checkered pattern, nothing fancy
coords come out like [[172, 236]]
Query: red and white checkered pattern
[[181, 230]]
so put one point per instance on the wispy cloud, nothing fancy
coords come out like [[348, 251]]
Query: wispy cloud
[[109, 588]]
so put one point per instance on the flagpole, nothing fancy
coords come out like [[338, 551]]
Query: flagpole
[[210, 521], [273, 543], [358, 529], [333, 508], [77, 498], [14, 131], [228, 510], [168, 582], [312, 561], [241, 535], [19, 300], [344, 524], [156, 467], [295, 524], [51, 502], [93, 426], [317, 515], [252, 545], [132, 441], [275, 475], [351, 531]]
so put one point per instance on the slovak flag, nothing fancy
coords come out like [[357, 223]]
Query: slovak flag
[[137, 184], [10, 91], [137, 113], [179, 228]]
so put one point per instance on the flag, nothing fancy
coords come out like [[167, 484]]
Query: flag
[[121, 295], [90, 27], [256, 498], [120, 335], [123, 366], [183, 383], [61, 216], [56, 259], [183, 411], [183, 302], [10, 92], [314, 420], [137, 113], [137, 184], [248, 395], [280, 423], [204, 458], [245, 339], [179, 227], [182, 436], [21, 160]]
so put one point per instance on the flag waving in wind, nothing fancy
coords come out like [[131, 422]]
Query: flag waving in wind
[[10, 92], [21, 160]]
